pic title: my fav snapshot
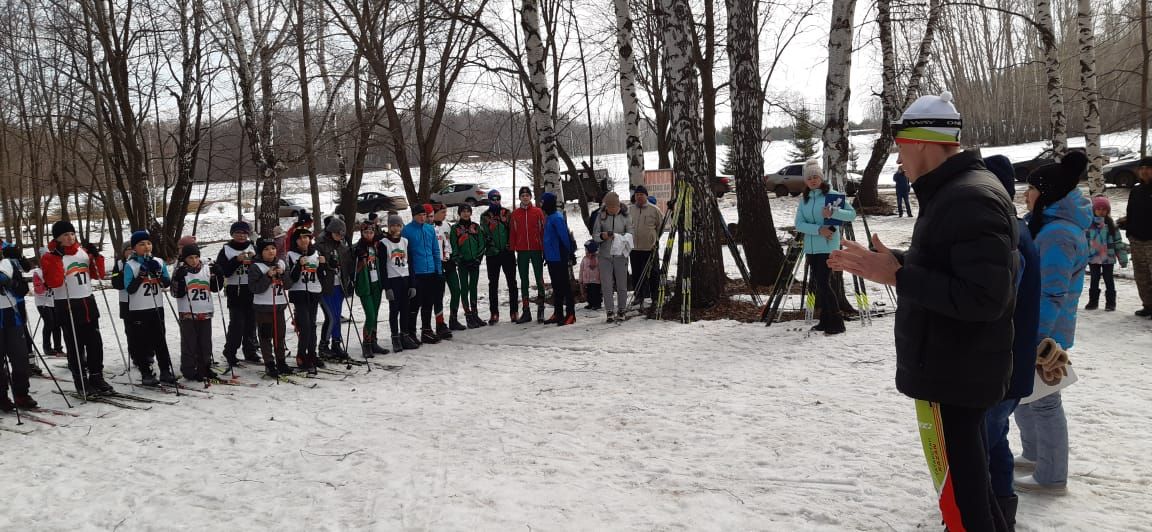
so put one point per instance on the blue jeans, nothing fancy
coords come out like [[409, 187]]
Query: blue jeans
[[332, 305], [1044, 435], [1000, 460]]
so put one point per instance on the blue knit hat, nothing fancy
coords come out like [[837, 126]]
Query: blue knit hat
[[591, 246], [140, 236]]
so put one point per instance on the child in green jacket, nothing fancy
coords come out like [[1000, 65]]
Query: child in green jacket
[[468, 246]]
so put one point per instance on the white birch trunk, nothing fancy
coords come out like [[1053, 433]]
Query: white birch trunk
[[541, 98], [1055, 85], [1091, 96], [837, 93], [627, 65]]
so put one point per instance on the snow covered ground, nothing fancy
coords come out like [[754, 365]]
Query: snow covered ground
[[646, 425]]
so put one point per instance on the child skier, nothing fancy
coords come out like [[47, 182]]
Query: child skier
[[590, 277], [68, 271], [307, 272], [51, 339], [397, 284], [559, 253], [192, 284], [144, 278], [13, 342], [451, 274], [1108, 247], [468, 247], [336, 286], [368, 287], [233, 261], [266, 279]]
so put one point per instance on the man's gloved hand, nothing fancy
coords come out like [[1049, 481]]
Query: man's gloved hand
[[1051, 362], [151, 267]]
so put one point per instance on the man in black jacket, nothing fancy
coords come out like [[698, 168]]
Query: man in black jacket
[[956, 288], [1138, 224]]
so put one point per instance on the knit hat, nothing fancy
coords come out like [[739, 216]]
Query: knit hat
[[264, 243], [1101, 203], [367, 225], [335, 226], [185, 240], [1056, 180], [493, 195], [304, 219], [639, 189], [591, 246], [1001, 167], [301, 231], [436, 207], [240, 227], [811, 168], [61, 227], [418, 211], [140, 236], [524, 190], [465, 207], [548, 202], [611, 199], [189, 250], [930, 119], [395, 219]]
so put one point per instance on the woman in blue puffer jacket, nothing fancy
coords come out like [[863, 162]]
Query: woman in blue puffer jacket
[[814, 218], [1059, 217]]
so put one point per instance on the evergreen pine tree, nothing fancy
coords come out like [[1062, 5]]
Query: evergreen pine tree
[[805, 136]]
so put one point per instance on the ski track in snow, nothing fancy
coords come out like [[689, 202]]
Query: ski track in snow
[[643, 426]]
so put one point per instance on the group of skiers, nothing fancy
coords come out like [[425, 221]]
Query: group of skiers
[[313, 278]]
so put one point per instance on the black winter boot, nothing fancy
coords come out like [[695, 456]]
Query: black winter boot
[[98, 386], [167, 377], [147, 378], [270, 369], [1110, 300], [1008, 510], [6, 404], [323, 349], [443, 332], [427, 336], [377, 349], [338, 349], [1093, 299], [526, 316], [397, 345], [455, 325], [284, 369], [408, 342]]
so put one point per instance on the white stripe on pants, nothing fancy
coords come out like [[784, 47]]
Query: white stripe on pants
[[614, 281]]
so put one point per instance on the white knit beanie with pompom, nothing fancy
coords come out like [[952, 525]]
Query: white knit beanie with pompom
[[811, 168], [930, 119]]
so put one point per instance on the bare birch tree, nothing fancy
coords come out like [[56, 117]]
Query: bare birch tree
[[633, 148], [1091, 95], [1055, 83], [838, 93]]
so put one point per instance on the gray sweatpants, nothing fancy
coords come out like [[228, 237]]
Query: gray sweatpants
[[614, 282]]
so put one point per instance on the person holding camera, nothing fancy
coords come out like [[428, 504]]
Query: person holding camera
[[234, 260], [612, 230]]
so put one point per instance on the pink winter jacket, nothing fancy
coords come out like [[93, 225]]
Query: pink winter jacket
[[590, 269]]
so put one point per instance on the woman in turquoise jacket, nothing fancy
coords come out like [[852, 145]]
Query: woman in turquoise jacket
[[814, 218]]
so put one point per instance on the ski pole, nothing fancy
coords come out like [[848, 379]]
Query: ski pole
[[8, 370], [123, 358], [352, 322], [163, 332], [80, 359]]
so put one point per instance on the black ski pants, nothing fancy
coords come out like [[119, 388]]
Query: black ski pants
[[506, 261]]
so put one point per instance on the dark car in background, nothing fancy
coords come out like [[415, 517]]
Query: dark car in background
[[368, 202], [1024, 168], [1122, 173]]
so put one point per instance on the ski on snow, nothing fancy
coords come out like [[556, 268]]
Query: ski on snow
[[109, 401]]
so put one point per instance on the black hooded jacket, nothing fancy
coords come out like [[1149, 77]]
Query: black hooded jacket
[[957, 288]]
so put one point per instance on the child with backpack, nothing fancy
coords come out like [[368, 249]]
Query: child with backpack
[[266, 280], [192, 284], [1108, 248]]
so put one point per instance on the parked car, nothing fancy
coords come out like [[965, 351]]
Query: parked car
[[1114, 152], [1122, 173], [290, 209], [1026, 167], [367, 202], [461, 194], [787, 180], [722, 184]]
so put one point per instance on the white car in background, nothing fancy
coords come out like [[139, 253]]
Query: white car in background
[[461, 194]]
